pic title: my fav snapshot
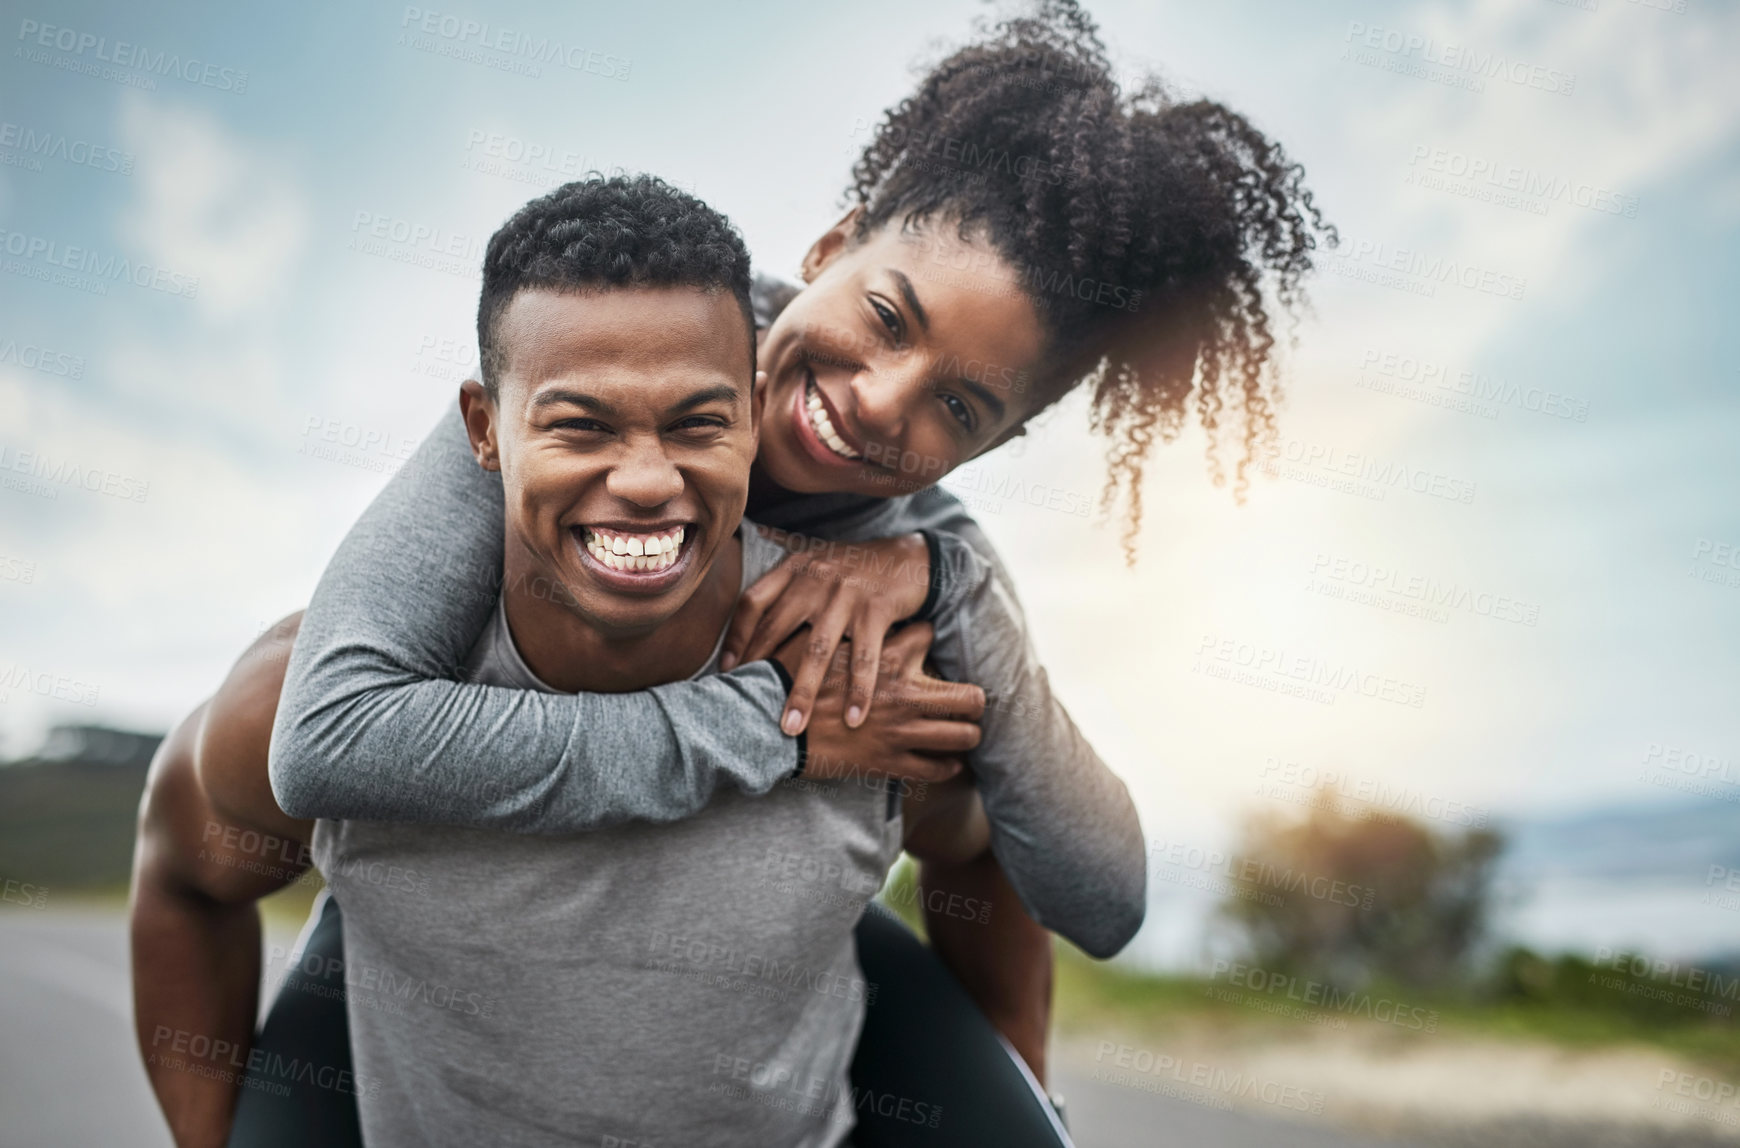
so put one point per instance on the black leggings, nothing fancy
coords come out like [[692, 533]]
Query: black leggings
[[930, 1069]]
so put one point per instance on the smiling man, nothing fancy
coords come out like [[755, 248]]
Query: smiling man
[[547, 989]]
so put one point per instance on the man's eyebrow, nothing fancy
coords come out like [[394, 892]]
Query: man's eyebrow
[[559, 397], [718, 393], [911, 297]]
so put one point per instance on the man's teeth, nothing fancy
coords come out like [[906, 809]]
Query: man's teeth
[[620, 551], [823, 426]]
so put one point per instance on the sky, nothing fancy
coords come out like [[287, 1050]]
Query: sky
[[1517, 392]]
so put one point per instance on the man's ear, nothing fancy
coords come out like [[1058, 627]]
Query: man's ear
[[481, 418], [833, 241]]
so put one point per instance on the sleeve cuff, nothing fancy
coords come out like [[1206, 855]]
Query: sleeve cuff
[[803, 739], [934, 593]]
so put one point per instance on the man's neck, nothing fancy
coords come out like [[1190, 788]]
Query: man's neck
[[574, 655]]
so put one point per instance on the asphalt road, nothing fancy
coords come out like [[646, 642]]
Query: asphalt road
[[70, 1073]]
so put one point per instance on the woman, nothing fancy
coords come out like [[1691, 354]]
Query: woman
[[1018, 227]]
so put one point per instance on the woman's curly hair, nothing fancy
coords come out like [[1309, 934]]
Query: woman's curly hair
[[1145, 230]]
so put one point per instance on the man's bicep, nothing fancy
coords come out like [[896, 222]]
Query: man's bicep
[[236, 736]]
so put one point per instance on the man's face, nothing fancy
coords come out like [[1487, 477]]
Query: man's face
[[624, 428]]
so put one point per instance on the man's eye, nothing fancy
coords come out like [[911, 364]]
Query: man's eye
[[592, 425], [701, 422], [961, 411]]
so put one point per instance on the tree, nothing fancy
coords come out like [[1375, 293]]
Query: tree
[[1346, 898]]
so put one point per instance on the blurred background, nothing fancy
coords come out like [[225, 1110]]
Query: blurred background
[[1436, 739]]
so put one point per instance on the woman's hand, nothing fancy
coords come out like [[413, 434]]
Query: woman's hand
[[839, 590]]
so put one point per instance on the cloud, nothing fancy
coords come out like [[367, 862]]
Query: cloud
[[212, 206]]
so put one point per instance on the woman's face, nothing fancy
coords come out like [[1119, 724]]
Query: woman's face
[[906, 355]]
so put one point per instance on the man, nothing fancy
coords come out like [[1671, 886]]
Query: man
[[569, 986]]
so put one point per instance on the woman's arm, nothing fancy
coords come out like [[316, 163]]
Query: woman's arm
[[374, 726], [1062, 823]]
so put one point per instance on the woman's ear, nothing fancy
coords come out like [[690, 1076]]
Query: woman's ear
[[826, 249]]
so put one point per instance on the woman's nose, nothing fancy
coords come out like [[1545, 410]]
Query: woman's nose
[[887, 397]]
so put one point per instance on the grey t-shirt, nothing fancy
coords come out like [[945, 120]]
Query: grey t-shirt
[[690, 983]]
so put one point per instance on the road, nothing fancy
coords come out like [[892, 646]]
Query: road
[[70, 1073]]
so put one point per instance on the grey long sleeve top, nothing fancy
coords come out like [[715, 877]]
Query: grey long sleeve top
[[374, 723]]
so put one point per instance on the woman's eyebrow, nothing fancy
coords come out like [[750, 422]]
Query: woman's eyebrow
[[911, 297], [984, 395]]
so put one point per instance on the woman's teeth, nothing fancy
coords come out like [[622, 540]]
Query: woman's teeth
[[649, 552], [823, 426]]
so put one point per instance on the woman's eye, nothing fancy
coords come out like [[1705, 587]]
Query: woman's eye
[[962, 412], [890, 318]]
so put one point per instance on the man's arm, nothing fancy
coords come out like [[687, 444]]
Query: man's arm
[[1003, 960], [211, 843], [373, 725]]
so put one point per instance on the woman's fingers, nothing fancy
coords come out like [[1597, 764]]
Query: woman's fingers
[[750, 608], [867, 635], [825, 636]]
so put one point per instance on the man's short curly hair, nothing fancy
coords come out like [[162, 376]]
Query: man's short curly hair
[[1150, 234], [598, 233]]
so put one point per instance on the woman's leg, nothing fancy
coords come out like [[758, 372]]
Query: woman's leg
[[300, 1089], [931, 1069]]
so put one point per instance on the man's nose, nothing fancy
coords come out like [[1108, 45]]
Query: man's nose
[[645, 476]]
